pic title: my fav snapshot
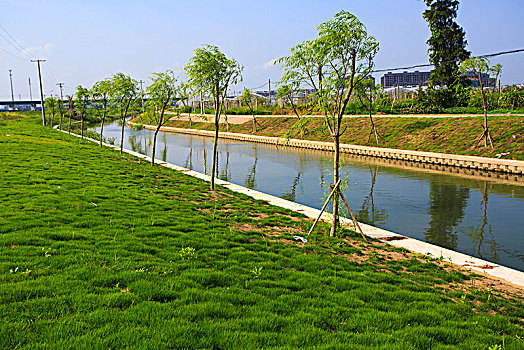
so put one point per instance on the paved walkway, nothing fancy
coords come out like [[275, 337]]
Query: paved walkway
[[240, 119]]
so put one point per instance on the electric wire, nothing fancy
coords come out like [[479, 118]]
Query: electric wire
[[448, 61], [11, 54], [24, 50]]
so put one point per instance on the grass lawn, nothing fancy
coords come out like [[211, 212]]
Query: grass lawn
[[98, 250], [442, 135]]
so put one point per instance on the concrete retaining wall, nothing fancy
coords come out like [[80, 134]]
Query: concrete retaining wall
[[466, 162]]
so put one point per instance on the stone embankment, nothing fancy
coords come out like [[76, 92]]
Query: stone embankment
[[507, 166]]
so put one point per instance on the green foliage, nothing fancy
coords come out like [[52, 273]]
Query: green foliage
[[161, 93], [447, 43], [123, 92], [209, 71]]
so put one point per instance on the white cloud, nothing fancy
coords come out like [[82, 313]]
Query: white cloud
[[40, 50], [269, 63]]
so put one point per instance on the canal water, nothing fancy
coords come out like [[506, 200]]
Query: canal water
[[474, 213]]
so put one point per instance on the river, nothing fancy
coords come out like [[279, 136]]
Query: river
[[479, 215]]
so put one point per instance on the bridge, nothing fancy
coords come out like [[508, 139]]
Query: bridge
[[20, 104]]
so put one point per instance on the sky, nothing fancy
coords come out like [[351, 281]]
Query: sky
[[87, 41]]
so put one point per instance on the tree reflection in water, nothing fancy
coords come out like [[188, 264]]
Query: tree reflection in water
[[164, 152], [250, 180], [135, 141], [478, 234], [225, 174], [369, 214], [291, 194], [446, 208], [189, 159]]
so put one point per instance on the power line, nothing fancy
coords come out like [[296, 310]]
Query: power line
[[15, 56], [448, 61], [27, 53], [16, 48], [258, 87]]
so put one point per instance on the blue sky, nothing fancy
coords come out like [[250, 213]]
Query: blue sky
[[86, 41]]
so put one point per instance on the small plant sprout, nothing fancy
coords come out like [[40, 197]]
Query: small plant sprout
[[257, 271], [188, 253], [46, 252]]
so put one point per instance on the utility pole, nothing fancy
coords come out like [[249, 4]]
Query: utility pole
[[269, 96], [60, 104], [12, 95], [142, 91], [30, 92], [41, 90]]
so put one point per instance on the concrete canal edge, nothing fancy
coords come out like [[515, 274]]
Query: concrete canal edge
[[488, 268], [468, 162]]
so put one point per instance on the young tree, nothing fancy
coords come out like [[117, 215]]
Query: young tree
[[480, 66], [366, 92], [210, 71], [247, 97], [60, 110], [285, 92], [101, 91], [124, 91], [81, 97], [51, 104], [447, 44], [71, 111], [185, 92], [161, 94], [340, 59]]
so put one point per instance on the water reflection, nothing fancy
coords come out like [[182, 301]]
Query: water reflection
[[473, 212], [225, 174], [290, 194], [368, 212], [250, 180], [486, 246], [446, 208]]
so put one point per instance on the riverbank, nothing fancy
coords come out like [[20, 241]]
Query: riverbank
[[447, 134], [114, 253], [514, 168]]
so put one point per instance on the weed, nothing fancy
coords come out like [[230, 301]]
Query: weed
[[188, 253]]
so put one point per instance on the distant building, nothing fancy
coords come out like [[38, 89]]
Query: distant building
[[474, 79], [415, 78]]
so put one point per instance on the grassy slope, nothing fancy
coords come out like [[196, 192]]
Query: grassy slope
[[99, 250], [444, 135]]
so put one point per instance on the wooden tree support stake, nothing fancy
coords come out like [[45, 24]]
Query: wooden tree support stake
[[352, 216], [324, 206]]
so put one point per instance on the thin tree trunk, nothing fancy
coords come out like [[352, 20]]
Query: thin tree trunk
[[82, 124], [294, 109], [160, 122], [485, 135], [103, 121], [154, 145], [215, 143], [336, 175], [123, 125], [70, 114], [61, 116]]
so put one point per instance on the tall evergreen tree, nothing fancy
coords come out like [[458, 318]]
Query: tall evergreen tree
[[447, 42]]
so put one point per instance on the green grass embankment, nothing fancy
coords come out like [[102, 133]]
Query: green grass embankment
[[99, 250], [442, 135]]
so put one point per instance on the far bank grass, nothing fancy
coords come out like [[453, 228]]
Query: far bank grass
[[442, 135], [99, 250]]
